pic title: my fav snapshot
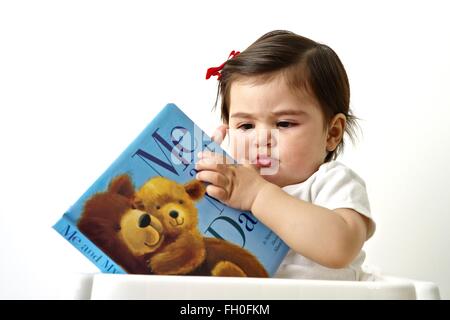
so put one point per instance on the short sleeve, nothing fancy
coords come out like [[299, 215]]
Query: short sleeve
[[337, 186]]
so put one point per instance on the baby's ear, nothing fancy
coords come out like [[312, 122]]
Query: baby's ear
[[195, 189], [122, 185], [336, 131]]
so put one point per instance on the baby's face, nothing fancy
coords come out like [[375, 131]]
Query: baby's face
[[280, 133]]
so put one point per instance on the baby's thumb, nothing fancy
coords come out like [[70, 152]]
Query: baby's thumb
[[219, 134]]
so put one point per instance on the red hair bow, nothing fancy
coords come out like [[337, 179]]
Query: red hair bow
[[215, 71]]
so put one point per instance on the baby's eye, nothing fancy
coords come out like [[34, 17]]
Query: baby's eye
[[285, 124], [246, 126]]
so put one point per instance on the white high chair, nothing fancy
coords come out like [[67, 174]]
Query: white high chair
[[118, 286]]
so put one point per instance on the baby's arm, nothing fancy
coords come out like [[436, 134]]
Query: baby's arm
[[332, 238]]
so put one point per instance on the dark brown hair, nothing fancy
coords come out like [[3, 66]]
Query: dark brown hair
[[306, 65]]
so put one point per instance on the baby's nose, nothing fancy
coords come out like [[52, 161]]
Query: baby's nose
[[265, 137]]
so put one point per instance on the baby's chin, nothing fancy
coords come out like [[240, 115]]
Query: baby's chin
[[275, 179], [281, 180]]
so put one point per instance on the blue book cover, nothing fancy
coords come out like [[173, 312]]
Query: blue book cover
[[147, 214]]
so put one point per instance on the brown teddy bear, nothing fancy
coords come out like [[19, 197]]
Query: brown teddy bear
[[125, 233], [185, 250]]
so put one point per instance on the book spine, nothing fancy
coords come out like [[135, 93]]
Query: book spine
[[70, 232]]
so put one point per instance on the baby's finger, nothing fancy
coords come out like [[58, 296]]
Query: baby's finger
[[217, 192], [207, 164], [213, 177], [218, 157], [219, 135], [210, 155]]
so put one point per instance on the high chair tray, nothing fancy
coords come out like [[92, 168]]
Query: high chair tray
[[115, 286]]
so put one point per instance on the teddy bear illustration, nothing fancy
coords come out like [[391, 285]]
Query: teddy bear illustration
[[185, 251], [128, 235]]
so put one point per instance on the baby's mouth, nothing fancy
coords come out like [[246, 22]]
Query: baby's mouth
[[263, 161]]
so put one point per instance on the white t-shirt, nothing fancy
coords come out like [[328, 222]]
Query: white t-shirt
[[333, 186]]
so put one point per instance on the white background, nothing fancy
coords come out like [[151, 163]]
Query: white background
[[79, 80]]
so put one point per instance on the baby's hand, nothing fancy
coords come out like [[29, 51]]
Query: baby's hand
[[236, 185], [219, 134]]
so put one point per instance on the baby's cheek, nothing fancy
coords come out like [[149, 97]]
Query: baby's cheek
[[239, 146]]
